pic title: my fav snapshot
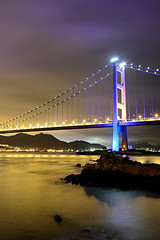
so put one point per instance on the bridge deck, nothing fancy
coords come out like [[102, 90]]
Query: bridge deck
[[82, 126]]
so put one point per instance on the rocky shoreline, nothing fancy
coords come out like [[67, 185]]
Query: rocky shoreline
[[125, 152], [114, 171]]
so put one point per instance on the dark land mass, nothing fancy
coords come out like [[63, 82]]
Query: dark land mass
[[45, 141], [125, 152], [113, 171], [144, 145]]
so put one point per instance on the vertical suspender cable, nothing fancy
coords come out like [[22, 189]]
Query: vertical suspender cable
[[62, 109], [105, 101], [159, 96], [152, 93], [97, 105], [84, 106], [111, 104], [73, 115], [127, 96], [48, 122], [67, 111], [57, 113], [144, 108], [136, 91], [78, 108], [53, 115], [93, 107]]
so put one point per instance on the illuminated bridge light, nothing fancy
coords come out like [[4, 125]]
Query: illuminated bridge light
[[156, 115], [95, 120], [122, 65], [140, 116], [115, 59]]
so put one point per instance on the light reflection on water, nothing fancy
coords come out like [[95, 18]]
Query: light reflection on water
[[31, 193], [146, 159]]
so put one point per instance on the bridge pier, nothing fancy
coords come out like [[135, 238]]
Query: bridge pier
[[123, 130]]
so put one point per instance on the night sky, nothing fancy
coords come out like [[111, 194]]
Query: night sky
[[47, 46]]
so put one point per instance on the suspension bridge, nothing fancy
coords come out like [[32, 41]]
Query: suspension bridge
[[118, 95]]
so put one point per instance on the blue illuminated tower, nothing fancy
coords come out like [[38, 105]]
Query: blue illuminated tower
[[119, 108]]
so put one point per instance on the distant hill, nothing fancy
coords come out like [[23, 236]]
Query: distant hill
[[42, 141], [144, 145]]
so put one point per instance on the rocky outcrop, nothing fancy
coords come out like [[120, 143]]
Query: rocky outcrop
[[78, 165], [117, 172], [58, 218]]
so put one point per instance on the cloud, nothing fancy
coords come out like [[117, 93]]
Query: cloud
[[48, 46]]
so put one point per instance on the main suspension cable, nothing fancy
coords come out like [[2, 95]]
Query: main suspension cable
[[64, 100], [60, 95]]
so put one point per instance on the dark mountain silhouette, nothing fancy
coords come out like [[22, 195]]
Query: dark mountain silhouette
[[144, 145], [42, 141]]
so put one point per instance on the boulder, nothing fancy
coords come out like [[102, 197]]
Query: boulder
[[58, 218], [78, 165]]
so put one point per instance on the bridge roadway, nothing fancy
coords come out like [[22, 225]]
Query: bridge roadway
[[128, 123]]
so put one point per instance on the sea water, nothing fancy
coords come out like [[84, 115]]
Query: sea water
[[32, 193]]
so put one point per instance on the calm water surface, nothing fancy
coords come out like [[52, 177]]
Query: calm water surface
[[31, 193]]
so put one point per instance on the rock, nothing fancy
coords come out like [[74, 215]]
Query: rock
[[58, 218], [86, 230], [115, 171], [111, 236], [78, 165]]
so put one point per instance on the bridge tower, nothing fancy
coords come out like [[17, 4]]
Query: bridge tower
[[119, 105]]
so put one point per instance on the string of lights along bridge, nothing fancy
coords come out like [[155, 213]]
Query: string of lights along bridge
[[118, 95]]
